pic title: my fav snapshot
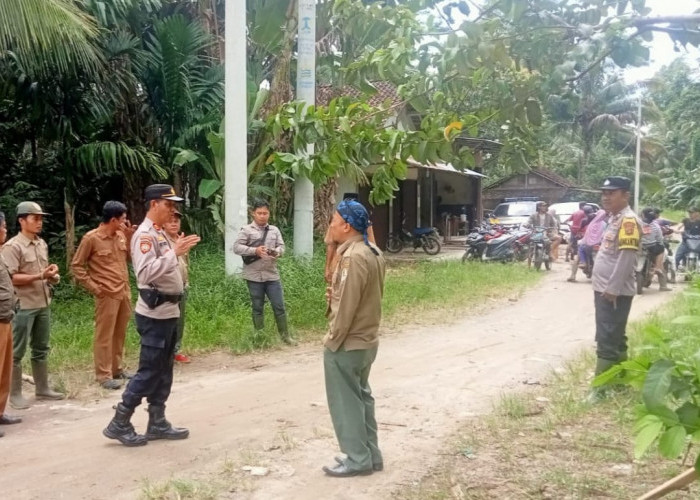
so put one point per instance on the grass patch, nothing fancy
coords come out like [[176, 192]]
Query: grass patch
[[548, 443], [218, 307], [180, 489]]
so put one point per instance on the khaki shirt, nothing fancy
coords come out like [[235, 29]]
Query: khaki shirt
[[615, 263], [264, 269], [8, 298], [25, 256], [155, 263], [183, 262], [100, 263], [355, 307]]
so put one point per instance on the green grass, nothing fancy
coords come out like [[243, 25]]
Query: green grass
[[218, 307]]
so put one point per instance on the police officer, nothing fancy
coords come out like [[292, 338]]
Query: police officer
[[354, 311], [614, 283], [160, 285], [27, 258]]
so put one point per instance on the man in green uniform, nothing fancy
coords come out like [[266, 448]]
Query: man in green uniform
[[27, 258], [354, 311], [614, 283]]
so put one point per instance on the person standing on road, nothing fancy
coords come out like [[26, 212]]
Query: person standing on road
[[260, 244], [614, 283], [592, 236], [27, 258], [653, 245], [172, 231], [157, 312], [100, 265], [354, 312], [691, 227], [8, 304]]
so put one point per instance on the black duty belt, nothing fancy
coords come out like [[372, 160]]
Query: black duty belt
[[153, 297]]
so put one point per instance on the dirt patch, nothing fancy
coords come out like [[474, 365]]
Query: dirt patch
[[269, 409]]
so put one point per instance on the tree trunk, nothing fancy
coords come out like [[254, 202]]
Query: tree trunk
[[324, 204], [69, 209]]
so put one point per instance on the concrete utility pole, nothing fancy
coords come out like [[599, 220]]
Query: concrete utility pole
[[235, 124], [638, 157], [306, 91]]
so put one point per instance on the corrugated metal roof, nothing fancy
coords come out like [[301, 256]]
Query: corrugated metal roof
[[444, 167]]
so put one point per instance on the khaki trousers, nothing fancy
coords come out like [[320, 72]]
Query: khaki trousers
[[5, 363], [111, 318]]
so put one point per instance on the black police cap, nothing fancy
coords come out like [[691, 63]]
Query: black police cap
[[615, 182], [161, 192]]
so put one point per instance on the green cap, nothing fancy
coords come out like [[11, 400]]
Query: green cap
[[28, 208]]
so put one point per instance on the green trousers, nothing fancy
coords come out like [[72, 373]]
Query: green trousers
[[351, 405], [32, 327]]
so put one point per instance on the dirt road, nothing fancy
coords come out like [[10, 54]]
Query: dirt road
[[269, 410]]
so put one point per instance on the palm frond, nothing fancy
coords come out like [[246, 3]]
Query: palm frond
[[49, 36]]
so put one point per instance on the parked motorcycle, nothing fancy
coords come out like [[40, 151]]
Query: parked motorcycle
[[425, 237], [643, 271], [477, 240], [540, 245], [508, 247]]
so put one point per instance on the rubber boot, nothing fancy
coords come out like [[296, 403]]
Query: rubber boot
[[16, 400], [40, 370], [258, 322], [663, 281], [120, 428], [160, 428], [283, 329], [574, 269]]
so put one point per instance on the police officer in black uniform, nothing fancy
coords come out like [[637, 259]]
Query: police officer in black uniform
[[160, 285]]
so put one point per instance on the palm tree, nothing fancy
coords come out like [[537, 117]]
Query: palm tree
[[48, 36]]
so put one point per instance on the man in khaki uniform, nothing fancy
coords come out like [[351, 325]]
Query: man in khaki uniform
[[157, 313], [354, 311], [8, 303], [100, 266], [27, 258], [172, 232]]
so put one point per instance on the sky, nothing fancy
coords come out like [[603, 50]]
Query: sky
[[661, 49]]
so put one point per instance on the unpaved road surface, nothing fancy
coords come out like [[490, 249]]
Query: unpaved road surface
[[269, 410]]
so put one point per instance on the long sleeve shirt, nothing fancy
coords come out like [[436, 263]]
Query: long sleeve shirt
[[355, 307], [100, 263], [249, 238], [615, 263], [8, 298], [155, 264]]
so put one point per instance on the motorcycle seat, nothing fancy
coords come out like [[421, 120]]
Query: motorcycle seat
[[420, 231]]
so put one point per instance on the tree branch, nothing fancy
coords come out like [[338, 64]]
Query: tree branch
[[647, 21]]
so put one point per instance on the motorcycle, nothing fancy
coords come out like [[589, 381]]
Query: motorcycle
[[508, 247], [477, 240], [587, 266], [643, 271], [539, 249], [425, 237], [691, 258]]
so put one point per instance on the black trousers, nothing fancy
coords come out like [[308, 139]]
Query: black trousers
[[610, 326], [154, 378]]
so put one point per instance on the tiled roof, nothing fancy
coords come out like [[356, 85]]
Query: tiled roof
[[385, 91]]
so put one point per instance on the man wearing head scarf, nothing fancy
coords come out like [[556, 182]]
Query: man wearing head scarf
[[354, 311]]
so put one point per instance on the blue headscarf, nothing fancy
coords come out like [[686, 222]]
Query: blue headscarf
[[355, 214]]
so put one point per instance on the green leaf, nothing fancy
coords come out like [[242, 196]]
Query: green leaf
[[648, 429], [207, 187], [672, 441], [686, 320], [657, 383]]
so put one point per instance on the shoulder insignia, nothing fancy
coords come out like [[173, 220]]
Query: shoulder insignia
[[345, 264], [628, 234], [145, 244]]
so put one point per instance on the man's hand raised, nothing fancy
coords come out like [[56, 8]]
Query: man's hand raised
[[185, 243]]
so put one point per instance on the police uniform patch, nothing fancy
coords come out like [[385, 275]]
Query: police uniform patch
[[145, 244], [628, 234]]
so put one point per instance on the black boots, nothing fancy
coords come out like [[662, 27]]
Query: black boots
[[120, 428], [160, 428]]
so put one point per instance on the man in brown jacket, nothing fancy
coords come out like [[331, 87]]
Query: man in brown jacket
[[100, 266], [8, 302], [354, 312]]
